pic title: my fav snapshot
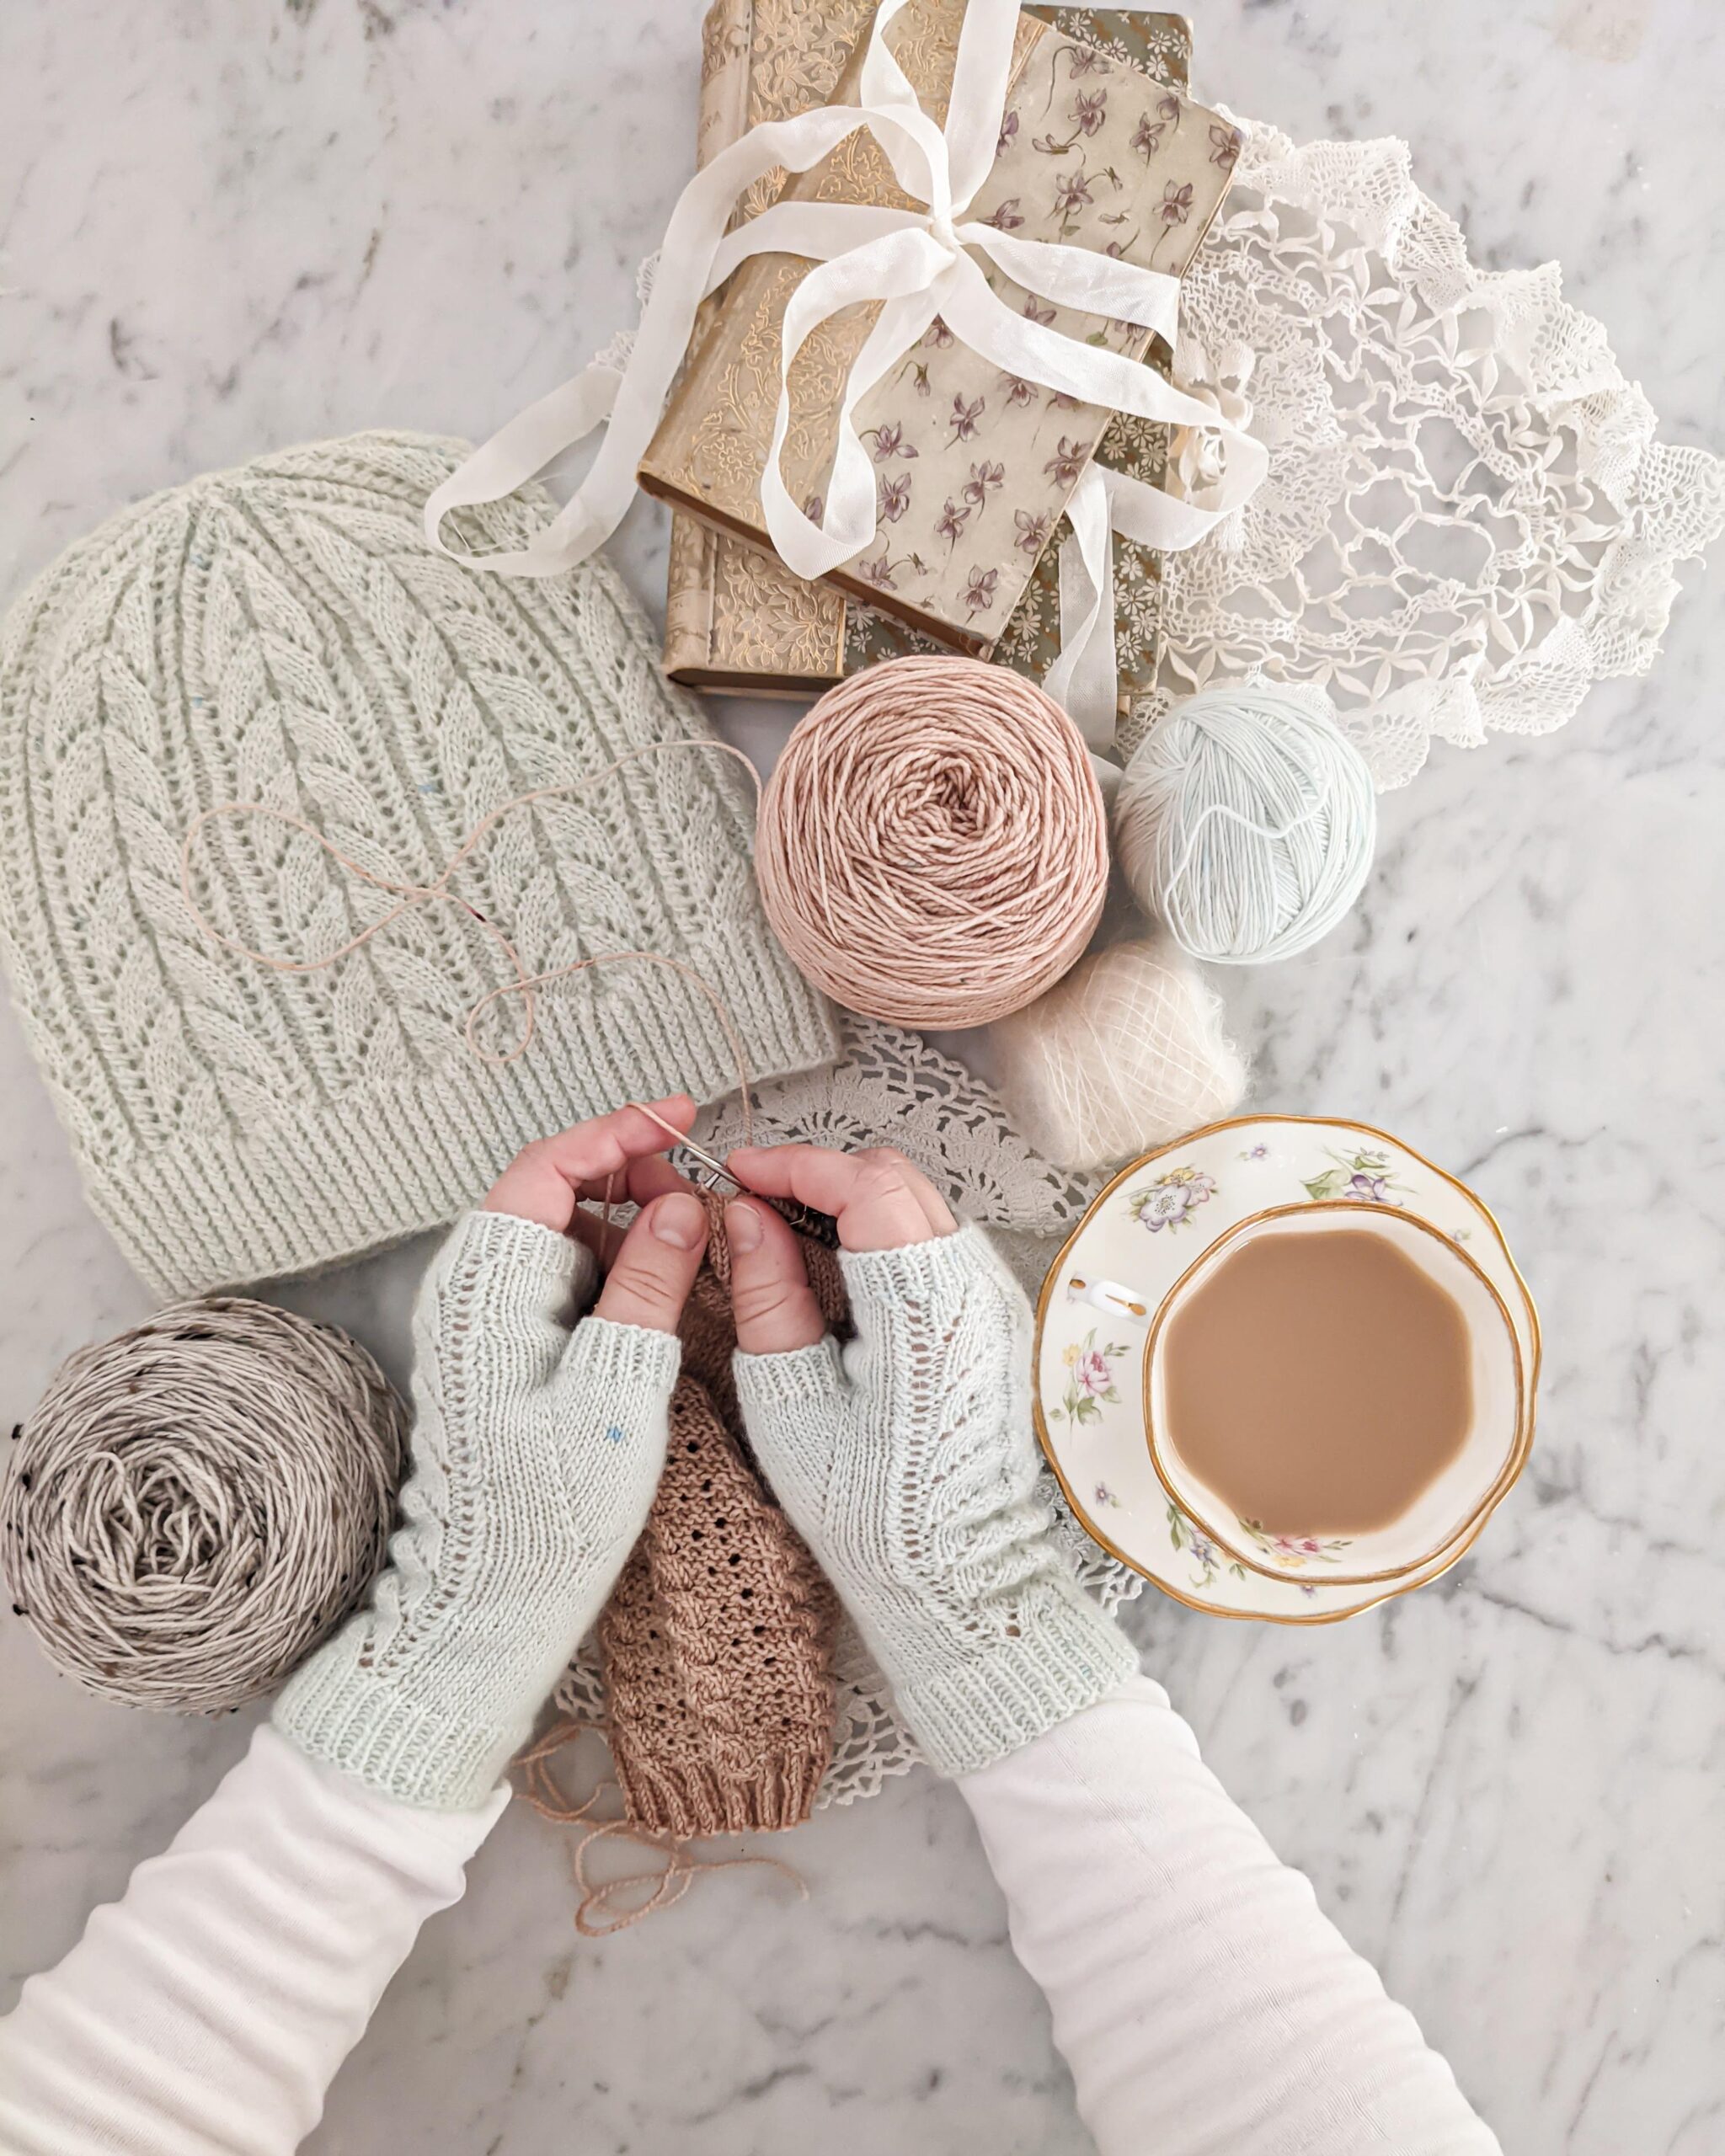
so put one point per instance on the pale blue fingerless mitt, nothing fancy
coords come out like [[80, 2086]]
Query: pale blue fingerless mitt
[[909, 1465], [537, 1445]]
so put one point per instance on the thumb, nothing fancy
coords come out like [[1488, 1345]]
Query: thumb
[[655, 1269], [774, 1306]]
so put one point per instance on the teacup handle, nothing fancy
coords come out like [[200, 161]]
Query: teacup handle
[[1130, 1303]]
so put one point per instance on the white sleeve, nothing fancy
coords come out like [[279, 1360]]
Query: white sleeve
[[1201, 1998], [206, 2012]]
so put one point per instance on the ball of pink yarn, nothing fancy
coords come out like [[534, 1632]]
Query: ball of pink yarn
[[932, 845]]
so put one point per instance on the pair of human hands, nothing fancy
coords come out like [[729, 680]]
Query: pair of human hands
[[905, 1461], [879, 1201]]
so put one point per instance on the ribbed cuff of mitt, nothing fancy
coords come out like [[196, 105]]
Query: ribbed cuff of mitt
[[1069, 1654], [365, 1727], [693, 1800]]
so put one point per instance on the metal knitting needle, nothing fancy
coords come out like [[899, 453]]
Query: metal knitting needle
[[818, 1227]]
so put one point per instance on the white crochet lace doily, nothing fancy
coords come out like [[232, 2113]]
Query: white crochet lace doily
[[892, 1088], [1467, 519]]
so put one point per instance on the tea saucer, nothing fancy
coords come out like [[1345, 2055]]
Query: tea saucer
[[1101, 1294]]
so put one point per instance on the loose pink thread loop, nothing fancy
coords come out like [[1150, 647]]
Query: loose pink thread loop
[[601, 1910], [413, 895]]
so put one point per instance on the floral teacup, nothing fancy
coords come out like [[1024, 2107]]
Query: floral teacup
[[1451, 1505]]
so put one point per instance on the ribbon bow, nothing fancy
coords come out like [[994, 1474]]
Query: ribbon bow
[[919, 263]]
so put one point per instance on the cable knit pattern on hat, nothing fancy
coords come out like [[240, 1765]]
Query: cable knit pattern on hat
[[536, 1450], [907, 1463], [281, 633]]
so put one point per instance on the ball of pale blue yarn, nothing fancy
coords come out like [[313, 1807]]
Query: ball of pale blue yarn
[[1246, 821]]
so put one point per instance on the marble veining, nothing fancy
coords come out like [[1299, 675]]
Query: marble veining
[[228, 228]]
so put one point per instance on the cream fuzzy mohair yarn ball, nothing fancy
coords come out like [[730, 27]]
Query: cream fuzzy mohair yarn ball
[[1125, 1052], [1246, 821]]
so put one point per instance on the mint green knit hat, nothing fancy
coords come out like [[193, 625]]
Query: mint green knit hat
[[282, 633]]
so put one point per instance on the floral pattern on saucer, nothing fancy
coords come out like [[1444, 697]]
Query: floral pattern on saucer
[[1169, 1201], [1295, 1550], [1364, 1175], [1090, 1379], [1089, 1388]]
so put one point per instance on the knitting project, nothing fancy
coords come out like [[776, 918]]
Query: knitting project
[[893, 1087], [282, 634], [717, 1639]]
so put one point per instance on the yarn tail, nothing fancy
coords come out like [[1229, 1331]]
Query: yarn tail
[[603, 1907]]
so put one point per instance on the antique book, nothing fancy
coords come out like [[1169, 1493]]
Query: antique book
[[737, 621], [1097, 152]]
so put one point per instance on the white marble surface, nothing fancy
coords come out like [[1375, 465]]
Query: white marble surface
[[229, 225]]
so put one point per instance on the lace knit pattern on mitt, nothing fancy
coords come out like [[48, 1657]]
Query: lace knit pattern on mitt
[[892, 1088], [282, 633], [1468, 519]]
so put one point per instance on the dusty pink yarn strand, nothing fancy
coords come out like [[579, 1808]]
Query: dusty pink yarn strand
[[412, 895], [933, 847]]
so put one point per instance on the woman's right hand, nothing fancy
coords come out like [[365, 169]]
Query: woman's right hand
[[908, 1463]]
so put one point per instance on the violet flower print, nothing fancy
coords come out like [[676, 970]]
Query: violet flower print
[[880, 573], [1018, 392], [888, 441], [979, 592], [1035, 311], [894, 499], [1068, 462], [1072, 194], [964, 419], [1009, 216], [1175, 208], [1009, 134], [1032, 531], [1148, 139], [953, 520], [1224, 146], [938, 336], [984, 478], [1090, 110]]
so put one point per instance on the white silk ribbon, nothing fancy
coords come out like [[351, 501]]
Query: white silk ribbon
[[920, 263]]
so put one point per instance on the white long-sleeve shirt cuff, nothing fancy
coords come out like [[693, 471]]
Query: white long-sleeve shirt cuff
[[205, 2013], [1205, 2003]]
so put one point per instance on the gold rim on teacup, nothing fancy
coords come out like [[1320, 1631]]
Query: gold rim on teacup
[[1370, 1218], [1081, 1512]]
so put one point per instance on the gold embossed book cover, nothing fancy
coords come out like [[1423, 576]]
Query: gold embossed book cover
[[975, 466]]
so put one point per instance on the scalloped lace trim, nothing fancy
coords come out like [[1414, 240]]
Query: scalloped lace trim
[[1468, 520]]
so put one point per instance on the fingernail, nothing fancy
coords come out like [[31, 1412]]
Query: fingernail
[[680, 1220], [742, 1227]]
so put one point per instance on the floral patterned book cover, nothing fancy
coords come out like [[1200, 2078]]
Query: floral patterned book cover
[[976, 466], [737, 621]]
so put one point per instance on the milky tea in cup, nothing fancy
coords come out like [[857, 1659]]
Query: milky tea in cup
[[1333, 1387]]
